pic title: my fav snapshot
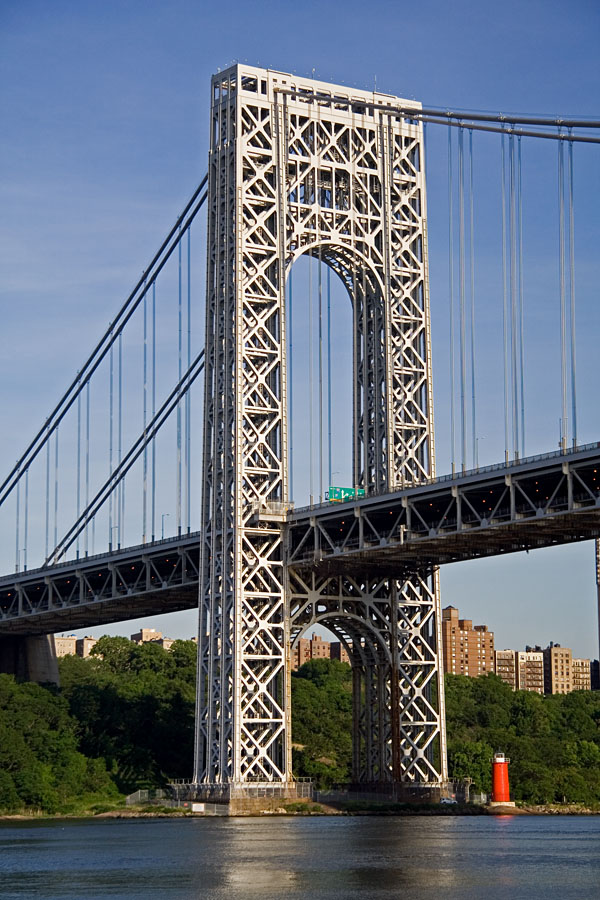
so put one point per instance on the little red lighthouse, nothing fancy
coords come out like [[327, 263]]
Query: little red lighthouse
[[500, 787]]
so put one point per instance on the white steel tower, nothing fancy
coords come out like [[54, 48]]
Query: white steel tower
[[296, 167]]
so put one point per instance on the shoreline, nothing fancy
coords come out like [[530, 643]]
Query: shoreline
[[317, 810]]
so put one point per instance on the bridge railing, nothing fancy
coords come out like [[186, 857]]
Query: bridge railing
[[509, 465]]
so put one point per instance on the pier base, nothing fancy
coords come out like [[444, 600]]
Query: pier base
[[29, 658], [406, 792], [242, 799]]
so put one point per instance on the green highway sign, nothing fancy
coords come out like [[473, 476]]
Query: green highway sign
[[339, 494]]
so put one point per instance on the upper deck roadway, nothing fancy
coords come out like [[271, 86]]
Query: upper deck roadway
[[537, 502]]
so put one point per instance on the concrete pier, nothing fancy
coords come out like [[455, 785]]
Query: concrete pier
[[30, 658]]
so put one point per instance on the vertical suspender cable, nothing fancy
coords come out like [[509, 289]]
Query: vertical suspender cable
[[505, 305], [153, 491], [145, 419], [188, 398], [56, 486], [461, 296], [26, 524], [474, 453], [110, 447], [572, 296], [47, 491], [87, 462], [78, 466], [320, 282], [121, 494], [563, 310], [180, 373], [310, 379], [521, 309], [451, 290], [17, 528], [370, 473], [290, 331], [356, 460], [329, 458], [512, 231]]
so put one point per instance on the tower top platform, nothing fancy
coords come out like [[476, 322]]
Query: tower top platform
[[266, 83]]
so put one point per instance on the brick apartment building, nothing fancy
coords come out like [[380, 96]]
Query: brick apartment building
[[581, 674], [310, 648], [467, 649], [530, 670], [558, 678], [549, 671], [69, 645], [506, 667], [339, 652]]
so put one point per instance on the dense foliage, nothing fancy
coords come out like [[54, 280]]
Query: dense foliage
[[123, 719], [40, 764], [134, 704], [553, 741], [322, 721]]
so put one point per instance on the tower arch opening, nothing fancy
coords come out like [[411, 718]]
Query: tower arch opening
[[368, 655], [305, 167], [320, 377]]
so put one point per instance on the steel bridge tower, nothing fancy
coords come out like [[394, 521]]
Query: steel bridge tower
[[296, 167]]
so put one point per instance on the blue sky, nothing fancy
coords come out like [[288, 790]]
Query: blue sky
[[104, 111]]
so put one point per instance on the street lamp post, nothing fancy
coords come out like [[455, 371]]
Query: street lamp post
[[162, 525]]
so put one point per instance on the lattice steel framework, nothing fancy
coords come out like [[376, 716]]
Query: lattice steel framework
[[296, 167]]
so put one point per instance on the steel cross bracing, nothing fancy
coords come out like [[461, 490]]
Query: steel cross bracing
[[291, 174]]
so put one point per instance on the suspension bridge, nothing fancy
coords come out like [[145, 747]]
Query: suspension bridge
[[300, 168]]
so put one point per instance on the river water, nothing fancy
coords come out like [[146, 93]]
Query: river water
[[319, 858]]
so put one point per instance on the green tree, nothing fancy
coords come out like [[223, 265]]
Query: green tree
[[322, 721], [135, 709], [471, 759], [41, 764]]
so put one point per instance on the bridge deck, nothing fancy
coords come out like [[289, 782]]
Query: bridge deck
[[539, 502], [133, 582]]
